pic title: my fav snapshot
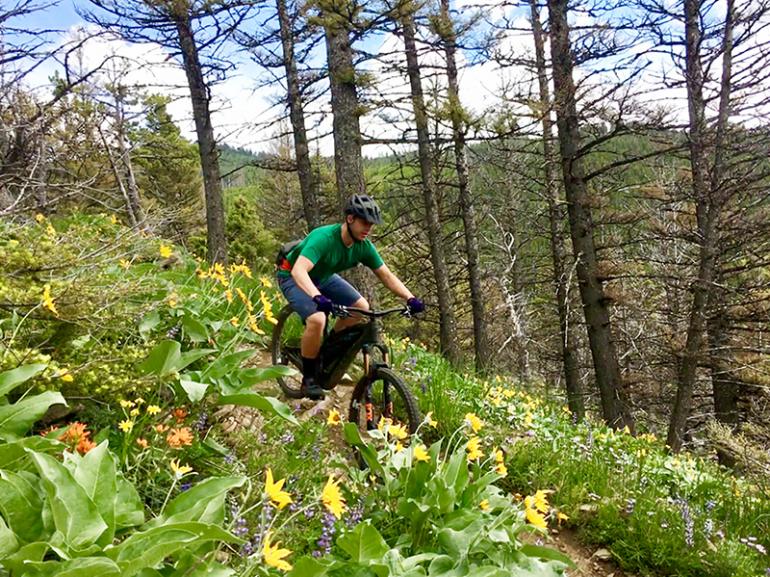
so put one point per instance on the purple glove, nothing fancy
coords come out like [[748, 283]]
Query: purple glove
[[323, 304], [415, 305]]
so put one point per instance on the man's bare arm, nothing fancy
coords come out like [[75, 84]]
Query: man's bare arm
[[300, 273], [392, 282]]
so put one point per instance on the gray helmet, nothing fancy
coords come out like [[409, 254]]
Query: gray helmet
[[363, 206]]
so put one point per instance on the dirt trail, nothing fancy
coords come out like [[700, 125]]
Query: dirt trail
[[590, 562]]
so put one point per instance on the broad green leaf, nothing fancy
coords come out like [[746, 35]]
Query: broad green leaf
[[8, 541], [163, 358], [256, 375], [210, 569], [80, 567], [215, 446], [129, 510], [96, 473], [364, 544], [309, 567], [150, 572], [194, 329], [18, 561], [16, 419], [189, 357], [353, 437], [457, 543], [15, 457], [195, 391], [148, 548], [21, 505], [9, 380], [442, 565], [546, 553], [148, 323], [74, 513], [227, 363], [203, 503], [266, 404]]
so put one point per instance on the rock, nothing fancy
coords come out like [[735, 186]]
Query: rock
[[602, 555], [588, 508]]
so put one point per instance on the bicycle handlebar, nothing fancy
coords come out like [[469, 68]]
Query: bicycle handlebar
[[342, 311]]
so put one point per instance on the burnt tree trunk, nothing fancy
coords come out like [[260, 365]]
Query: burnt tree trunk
[[595, 303], [440, 272]]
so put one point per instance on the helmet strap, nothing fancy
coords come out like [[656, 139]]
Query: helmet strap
[[350, 232]]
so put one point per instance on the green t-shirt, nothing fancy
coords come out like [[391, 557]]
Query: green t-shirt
[[329, 255]]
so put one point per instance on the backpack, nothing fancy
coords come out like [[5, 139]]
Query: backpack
[[284, 251]]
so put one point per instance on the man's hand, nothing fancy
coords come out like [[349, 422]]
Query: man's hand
[[323, 304], [415, 305]]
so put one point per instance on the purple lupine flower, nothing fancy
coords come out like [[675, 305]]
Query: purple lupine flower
[[630, 506], [229, 458], [355, 514], [708, 527], [287, 438], [689, 524], [710, 506], [262, 438], [203, 421], [185, 487], [328, 530]]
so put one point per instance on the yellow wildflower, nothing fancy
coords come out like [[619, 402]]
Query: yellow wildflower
[[538, 501], [124, 263], [473, 448], [474, 422], [265, 282], [399, 447], [273, 489], [50, 230], [484, 505], [561, 517], [165, 251], [66, 376], [235, 321], [501, 469], [126, 425], [172, 300], [139, 401], [420, 454], [384, 422], [430, 421], [179, 470], [498, 454], [39, 217], [134, 412], [126, 404], [113, 219], [535, 518], [153, 409], [398, 432], [48, 300], [334, 418], [332, 498], [274, 555], [253, 326]]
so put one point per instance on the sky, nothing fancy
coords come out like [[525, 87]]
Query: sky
[[245, 114]]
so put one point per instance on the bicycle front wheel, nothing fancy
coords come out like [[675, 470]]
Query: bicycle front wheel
[[285, 348], [385, 396]]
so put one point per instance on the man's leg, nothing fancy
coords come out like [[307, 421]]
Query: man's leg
[[310, 345]]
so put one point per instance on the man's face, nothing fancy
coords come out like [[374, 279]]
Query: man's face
[[359, 228]]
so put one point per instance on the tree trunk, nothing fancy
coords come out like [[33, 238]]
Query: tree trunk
[[595, 302], [118, 179], [707, 203], [556, 218], [447, 321], [307, 184], [481, 347], [132, 190], [207, 145]]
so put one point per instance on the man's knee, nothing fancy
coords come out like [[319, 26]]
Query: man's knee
[[316, 322], [361, 303]]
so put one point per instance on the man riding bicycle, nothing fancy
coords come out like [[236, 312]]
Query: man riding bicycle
[[308, 278]]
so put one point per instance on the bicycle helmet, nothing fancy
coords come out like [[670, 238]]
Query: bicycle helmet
[[363, 206]]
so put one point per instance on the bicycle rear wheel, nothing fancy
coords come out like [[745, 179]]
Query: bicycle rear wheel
[[285, 348], [385, 396]]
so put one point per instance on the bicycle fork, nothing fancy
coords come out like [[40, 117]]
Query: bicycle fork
[[387, 402]]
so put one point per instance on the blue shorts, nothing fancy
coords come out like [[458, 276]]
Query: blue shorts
[[336, 288]]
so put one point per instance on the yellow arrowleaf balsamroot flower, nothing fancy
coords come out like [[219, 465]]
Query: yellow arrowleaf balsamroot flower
[[398, 432], [39, 218], [332, 498], [273, 489], [334, 418], [114, 219], [274, 555], [473, 448], [125, 264], [48, 300], [153, 409], [235, 321], [126, 426], [134, 413], [535, 518], [66, 376], [384, 422], [501, 469], [179, 470], [126, 404], [420, 454], [165, 251], [484, 505], [229, 295], [430, 421], [474, 422], [265, 282], [561, 517], [541, 500]]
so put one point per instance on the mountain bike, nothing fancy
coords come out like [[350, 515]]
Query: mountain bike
[[379, 393]]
